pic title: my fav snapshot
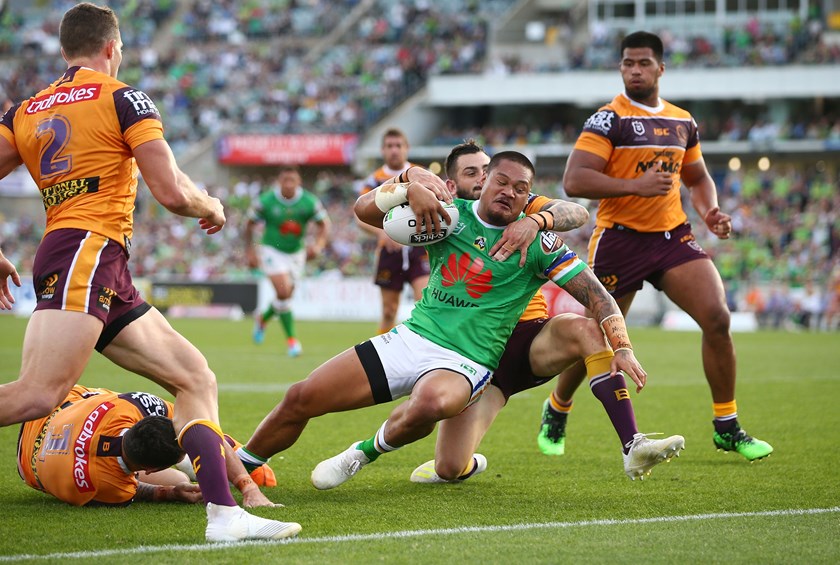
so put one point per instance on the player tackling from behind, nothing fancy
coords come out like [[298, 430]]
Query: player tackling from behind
[[539, 348], [443, 356], [83, 139], [632, 155]]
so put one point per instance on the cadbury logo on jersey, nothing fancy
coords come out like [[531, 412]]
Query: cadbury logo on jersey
[[64, 96]]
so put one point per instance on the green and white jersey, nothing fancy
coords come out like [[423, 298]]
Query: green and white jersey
[[286, 218], [472, 302]]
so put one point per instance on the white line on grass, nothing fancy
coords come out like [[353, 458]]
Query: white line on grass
[[415, 533]]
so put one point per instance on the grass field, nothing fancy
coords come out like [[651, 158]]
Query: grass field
[[705, 507]]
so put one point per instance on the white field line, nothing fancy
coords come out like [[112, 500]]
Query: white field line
[[143, 550]]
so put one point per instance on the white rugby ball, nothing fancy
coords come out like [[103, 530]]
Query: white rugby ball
[[400, 224]]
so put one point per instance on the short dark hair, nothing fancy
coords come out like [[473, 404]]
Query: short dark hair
[[86, 28], [514, 156], [469, 147], [152, 443], [288, 169], [642, 39]]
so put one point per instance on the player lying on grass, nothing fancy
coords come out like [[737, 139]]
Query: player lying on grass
[[443, 356], [101, 447], [539, 348]]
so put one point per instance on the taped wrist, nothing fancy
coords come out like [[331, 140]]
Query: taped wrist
[[391, 194], [615, 329]]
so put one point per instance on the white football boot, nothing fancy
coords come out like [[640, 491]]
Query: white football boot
[[232, 523], [337, 470], [644, 453]]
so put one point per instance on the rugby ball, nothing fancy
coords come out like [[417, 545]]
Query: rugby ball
[[400, 224]]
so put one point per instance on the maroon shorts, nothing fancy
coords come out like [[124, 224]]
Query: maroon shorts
[[623, 259], [80, 271], [395, 268], [514, 372]]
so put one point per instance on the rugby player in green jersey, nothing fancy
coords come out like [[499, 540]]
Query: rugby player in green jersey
[[286, 211], [443, 356]]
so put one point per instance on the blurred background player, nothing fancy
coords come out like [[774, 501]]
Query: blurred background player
[[103, 447], [83, 140], [539, 348], [285, 211], [632, 155], [396, 264]]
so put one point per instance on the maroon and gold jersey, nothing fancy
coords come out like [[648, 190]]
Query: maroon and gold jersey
[[632, 138], [381, 175], [75, 453], [76, 137]]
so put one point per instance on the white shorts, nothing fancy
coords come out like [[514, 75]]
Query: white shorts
[[275, 262], [396, 360]]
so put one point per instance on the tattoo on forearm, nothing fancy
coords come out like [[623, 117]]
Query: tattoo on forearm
[[567, 215], [145, 491], [588, 290]]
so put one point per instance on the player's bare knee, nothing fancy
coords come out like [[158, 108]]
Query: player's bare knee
[[716, 324], [431, 407], [448, 470], [299, 404], [583, 333]]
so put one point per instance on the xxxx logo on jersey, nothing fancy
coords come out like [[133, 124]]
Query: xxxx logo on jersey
[[469, 271]]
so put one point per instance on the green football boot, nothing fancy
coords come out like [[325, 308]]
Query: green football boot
[[738, 440], [552, 436]]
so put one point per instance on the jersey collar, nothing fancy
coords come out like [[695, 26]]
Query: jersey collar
[[650, 109]]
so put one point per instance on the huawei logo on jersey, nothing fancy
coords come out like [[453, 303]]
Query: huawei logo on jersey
[[469, 271], [290, 227], [64, 96]]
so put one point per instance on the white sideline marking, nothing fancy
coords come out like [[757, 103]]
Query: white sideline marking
[[414, 533]]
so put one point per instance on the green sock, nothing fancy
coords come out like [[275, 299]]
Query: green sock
[[268, 313], [250, 460], [288, 323], [368, 448]]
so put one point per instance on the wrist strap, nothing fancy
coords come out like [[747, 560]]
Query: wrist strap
[[535, 221], [548, 216]]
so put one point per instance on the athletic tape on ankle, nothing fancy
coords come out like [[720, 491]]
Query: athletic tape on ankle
[[390, 194]]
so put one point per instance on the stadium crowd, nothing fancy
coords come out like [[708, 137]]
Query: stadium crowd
[[786, 240], [214, 67]]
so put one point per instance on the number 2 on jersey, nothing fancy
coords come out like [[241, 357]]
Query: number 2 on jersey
[[57, 130]]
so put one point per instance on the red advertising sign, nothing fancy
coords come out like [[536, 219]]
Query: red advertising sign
[[275, 149]]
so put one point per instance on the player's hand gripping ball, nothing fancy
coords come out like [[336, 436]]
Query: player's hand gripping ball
[[401, 225]]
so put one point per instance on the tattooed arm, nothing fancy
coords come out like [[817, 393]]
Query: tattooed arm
[[567, 215], [555, 215], [588, 290]]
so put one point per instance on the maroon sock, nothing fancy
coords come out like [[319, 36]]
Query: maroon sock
[[203, 443], [613, 394]]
